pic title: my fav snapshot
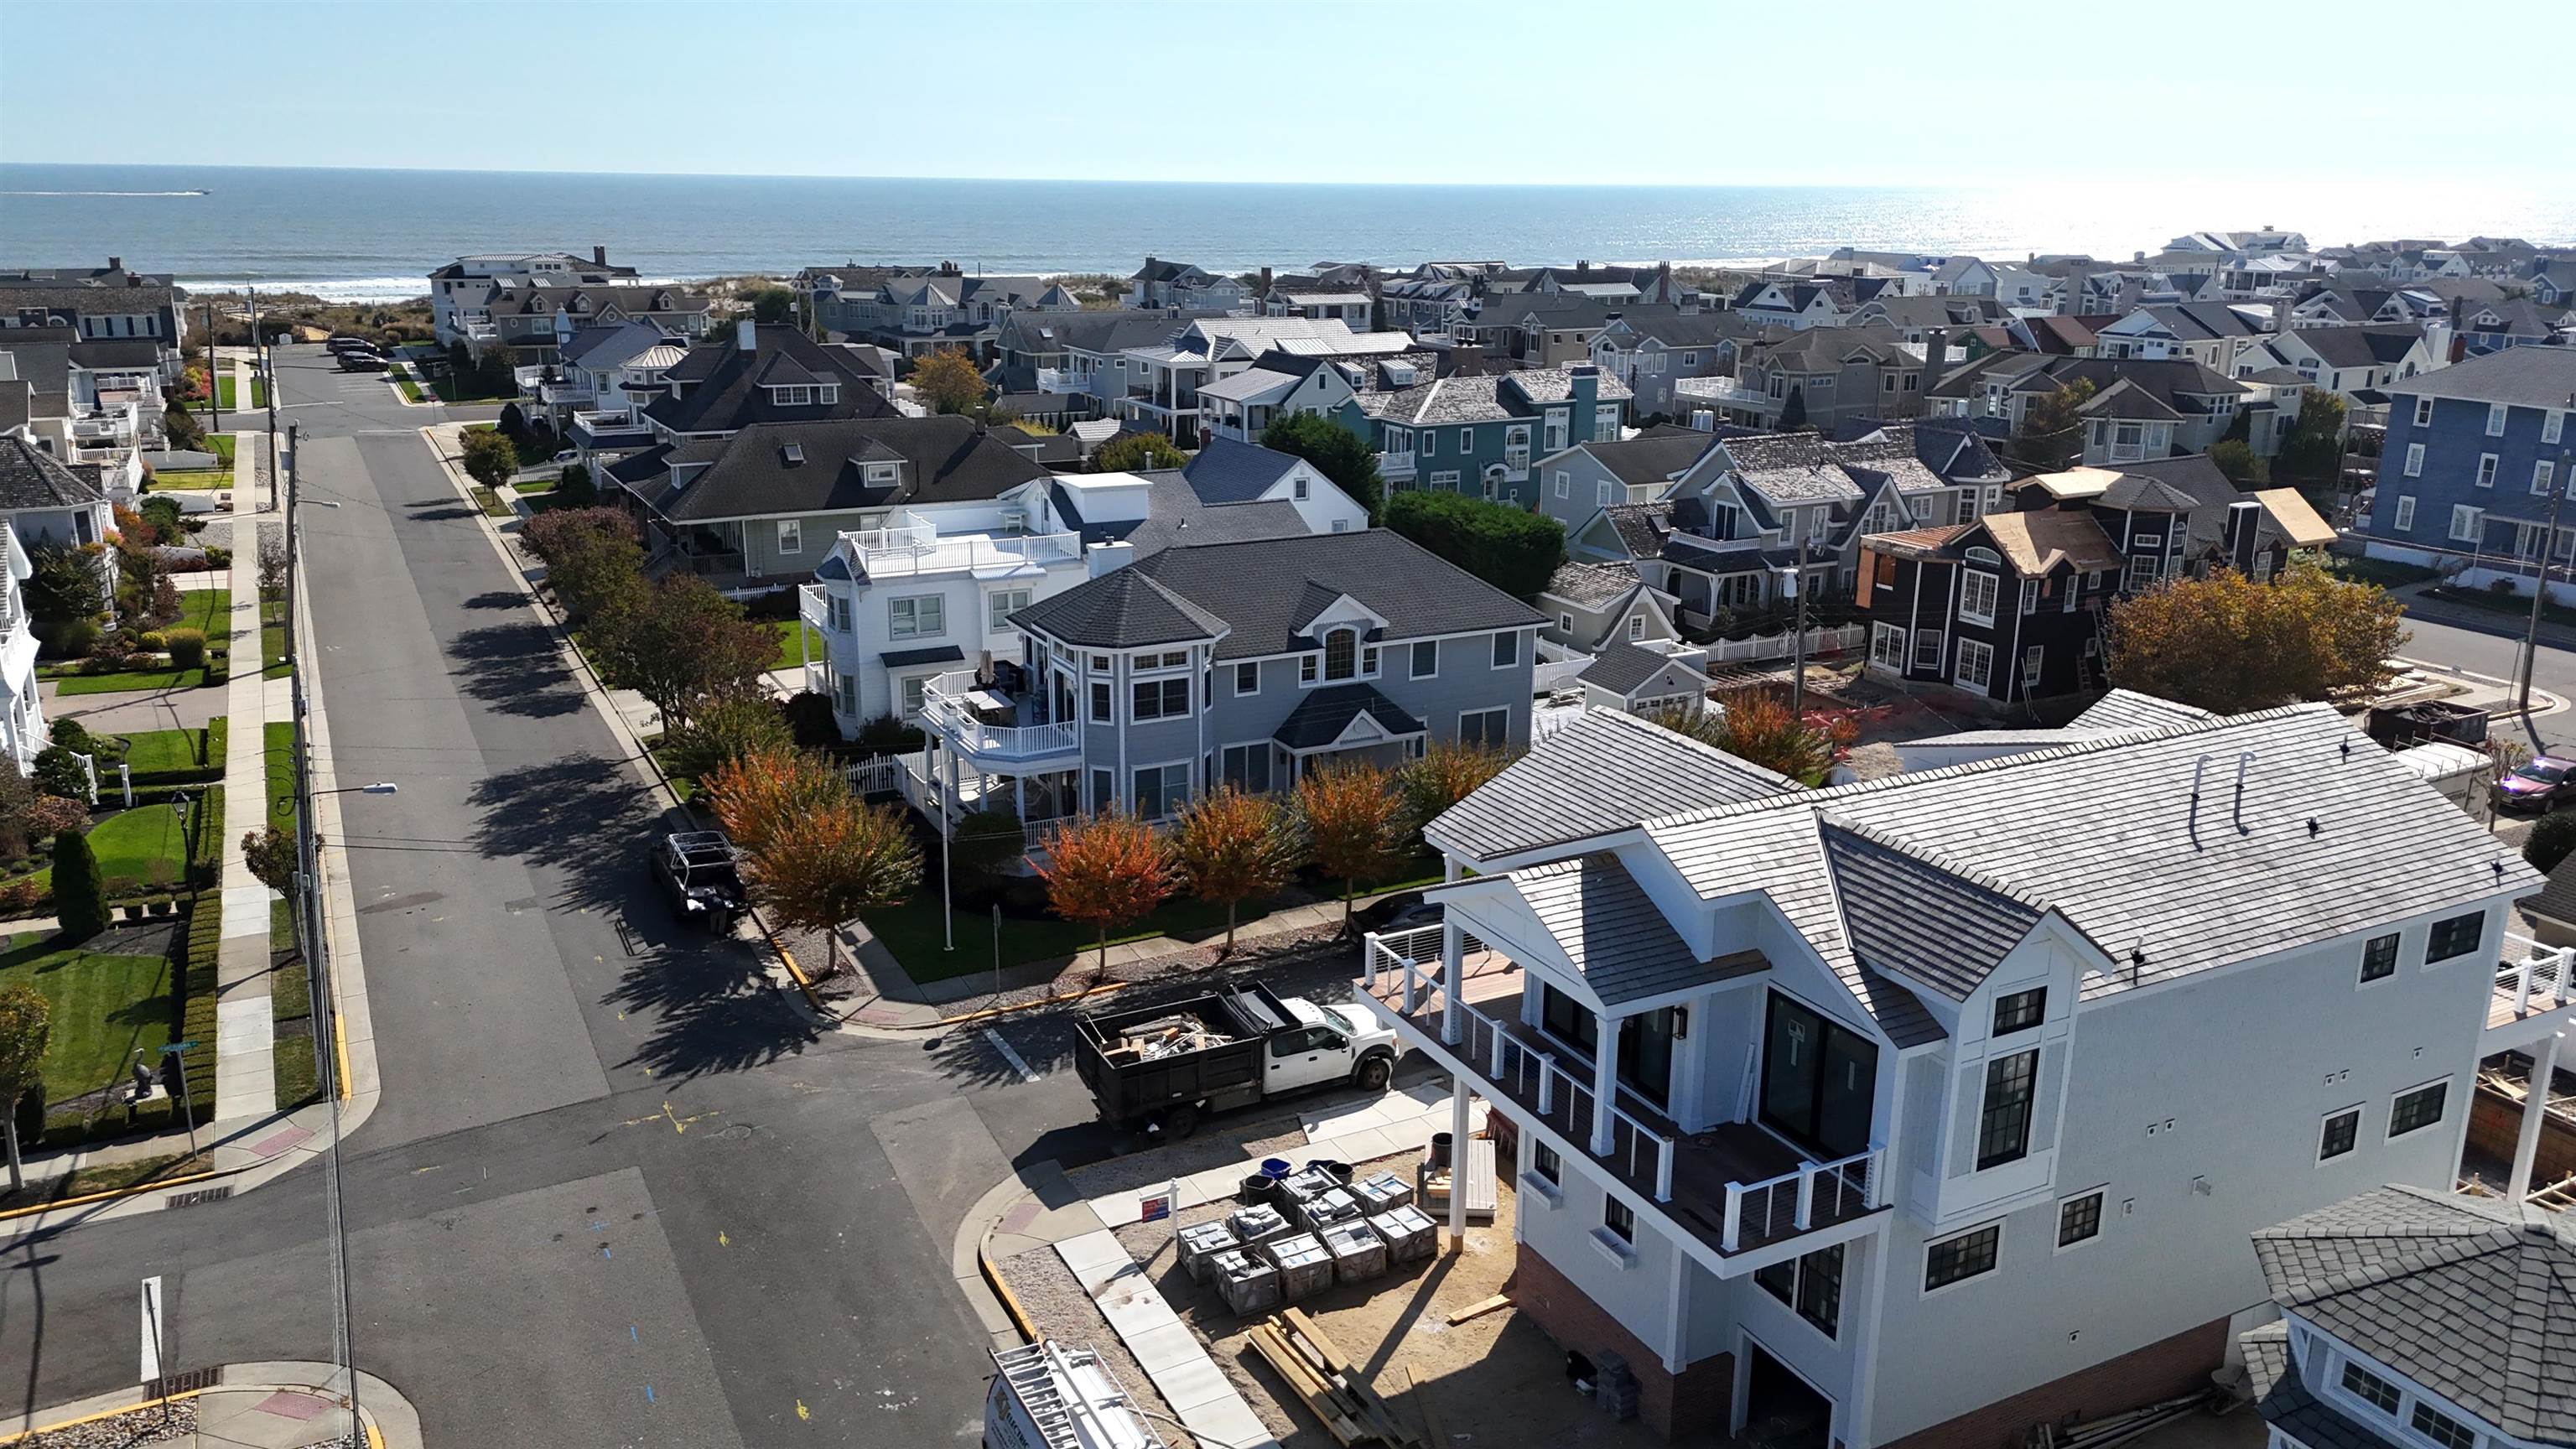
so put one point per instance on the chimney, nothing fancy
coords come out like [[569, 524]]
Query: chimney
[[1107, 558], [1265, 279], [746, 335], [599, 256], [2243, 519], [116, 264], [1936, 357]]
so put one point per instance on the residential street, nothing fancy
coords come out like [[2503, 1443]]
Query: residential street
[[613, 1181]]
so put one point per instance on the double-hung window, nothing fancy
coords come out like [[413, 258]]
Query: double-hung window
[[1100, 702], [1246, 767], [2496, 415], [2414, 460], [2405, 518], [1976, 668], [1002, 605], [2542, 473], [2423, 412], [921, 617], [1161, 790], [2486, 470], [791, 537], [1507, 649], [2003, 1125], [1162, 698], [1426, 658], [1247, 677]]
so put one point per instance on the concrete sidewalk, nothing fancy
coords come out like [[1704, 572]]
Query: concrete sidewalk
[[245, 1027], [279, 1405]]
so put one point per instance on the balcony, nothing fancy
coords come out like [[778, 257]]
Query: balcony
[[563, 393], [2535, 987], [813, 607], [1392, 466], [1724, 393], [918, 548], [1734, 1189], [981, 723], [1058, 380]]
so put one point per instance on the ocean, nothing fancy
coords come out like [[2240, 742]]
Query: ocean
[[373, 235]]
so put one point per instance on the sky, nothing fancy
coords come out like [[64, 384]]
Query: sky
[[1931, 92]]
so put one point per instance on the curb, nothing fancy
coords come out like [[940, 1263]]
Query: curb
[[388, 1416], [993, 1279], [91, 1418], [132, 1190]]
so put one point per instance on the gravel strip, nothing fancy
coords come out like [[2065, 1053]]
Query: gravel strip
[[141, 1426], [1054, 1300]]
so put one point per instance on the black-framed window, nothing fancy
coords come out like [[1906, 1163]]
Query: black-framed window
[[2442, 1429], [1426, 658], [1162, 698], [1247, 677], [1780, 1280], [2342, 1133], [1545, 1162], [1341, 654], [1507, 649], [2417, 1109], [1099, 703], [1820, 1289], [2021, 1011], [2003, 1126], [2079, 1219], [2370, 1388], [1618, 1219], [2457, 936], [1955, 1260], [1819, 1080], [2379, 957], [1569, 1020]]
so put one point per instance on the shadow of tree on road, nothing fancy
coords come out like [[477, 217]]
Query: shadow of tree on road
[[515, 669], [711, 1006], [582, 816], [496, 599]]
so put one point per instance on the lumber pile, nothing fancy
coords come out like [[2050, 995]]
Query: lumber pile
[[2117, 1428], [1162, 1037], [1334, 1390]]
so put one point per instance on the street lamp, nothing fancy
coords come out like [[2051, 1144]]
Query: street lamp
[[381, 787]]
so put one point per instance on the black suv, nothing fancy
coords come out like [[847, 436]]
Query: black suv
[[696, 869]]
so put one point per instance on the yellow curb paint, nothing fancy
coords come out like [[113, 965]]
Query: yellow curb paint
[[340, 1051], [1010, 1300], [374, 1439], [101, 1414], [137, 1190]]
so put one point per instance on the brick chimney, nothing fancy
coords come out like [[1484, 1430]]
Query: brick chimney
[[1936, 358], [116, 264], [599, 256]]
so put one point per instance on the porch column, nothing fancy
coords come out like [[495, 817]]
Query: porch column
[[1453, 968], [1522, 1159], [1457, 1161], [1677, 1311], [1020, 797], [1605, 1085], [2535, 1110]]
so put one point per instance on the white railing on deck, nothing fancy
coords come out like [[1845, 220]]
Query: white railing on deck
[[1413, 959], [1795, 1201], [943, 709], [919, 545], [1776, 646], [2545, 973], [812, 607]]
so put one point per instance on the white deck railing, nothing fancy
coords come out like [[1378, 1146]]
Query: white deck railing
[[812, 607], [918, 548], [2530, 969], [1793, 1201], [943, 708]]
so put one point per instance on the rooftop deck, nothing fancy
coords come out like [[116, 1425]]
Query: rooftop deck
[[1734, 1186], [2535, 992]]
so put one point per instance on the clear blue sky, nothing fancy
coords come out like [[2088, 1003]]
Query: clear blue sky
[[1248, 90]]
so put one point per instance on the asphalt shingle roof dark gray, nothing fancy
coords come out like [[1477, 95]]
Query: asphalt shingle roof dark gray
[[721, 395], [1174, 515], [1652, 457], [948, 459], [2473, 1298], [1623, 667], [30, 477], [1123, 609], [1259, 589], [2537, 377], [1226, 471], [1605, 772], [1321, 716], [1920, 918]]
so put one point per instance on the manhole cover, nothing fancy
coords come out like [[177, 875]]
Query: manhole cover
[[737, 1132]]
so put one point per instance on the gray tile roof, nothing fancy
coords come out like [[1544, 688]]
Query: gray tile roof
[[2285, 1402], [1641, 526], [1175, 515], [948, 459], [1922, 918], [2104, 831], [2473, 1298], [1616, 937], [1623, 667], [1591, 584], [2557, 900], [1124, 609], [1322, 715], [1261, 589], [30, 477], [1654, 456], [1605, 772], [2538, 377], [1490, 397], [2124, 709]]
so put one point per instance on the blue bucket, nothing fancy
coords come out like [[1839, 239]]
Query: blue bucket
[[1274, 1168]]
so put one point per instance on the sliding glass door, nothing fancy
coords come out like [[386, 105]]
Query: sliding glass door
[[1819, 1080]]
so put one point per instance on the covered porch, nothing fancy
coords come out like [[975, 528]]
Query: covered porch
[[2530, 1016], [1346, 724]]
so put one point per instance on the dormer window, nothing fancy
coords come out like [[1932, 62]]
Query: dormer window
[[1341, 654]]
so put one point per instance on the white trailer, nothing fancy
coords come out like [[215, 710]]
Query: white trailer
[[1051, 1395]]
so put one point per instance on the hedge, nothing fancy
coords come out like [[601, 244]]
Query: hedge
[[1511, 548]]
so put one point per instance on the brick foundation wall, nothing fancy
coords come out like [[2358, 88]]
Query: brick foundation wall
[[2165, 1369], [1695, 1402], [2495, 1126]]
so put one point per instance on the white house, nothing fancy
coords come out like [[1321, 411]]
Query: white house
[[1908, 1112], [465, 282], [23, 730]]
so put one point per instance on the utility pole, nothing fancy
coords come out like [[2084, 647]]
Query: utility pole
[[214, 389], [2558, 485], [268, 374]]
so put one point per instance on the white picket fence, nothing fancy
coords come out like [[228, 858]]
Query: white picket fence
[[1820, 642], [880, 776]]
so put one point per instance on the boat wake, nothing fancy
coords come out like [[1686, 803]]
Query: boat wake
[[103, 193]]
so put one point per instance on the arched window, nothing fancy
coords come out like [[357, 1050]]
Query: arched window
[[1341, 653], [1985, 556]]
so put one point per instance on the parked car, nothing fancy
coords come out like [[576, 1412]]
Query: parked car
[[2537, 785], [363, 362], [696, 869]]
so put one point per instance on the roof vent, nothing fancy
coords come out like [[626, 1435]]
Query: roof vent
[[2313, 827], [792, 454]]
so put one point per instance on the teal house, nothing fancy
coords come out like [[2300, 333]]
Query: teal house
[[1485, 434]]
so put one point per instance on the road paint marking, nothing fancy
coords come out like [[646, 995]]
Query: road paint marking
[[1003, 1045], [721, 1240], [151, 1316], [803, 1412], [632, 1336], [648, 1393]]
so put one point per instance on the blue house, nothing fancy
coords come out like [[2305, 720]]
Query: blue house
[[2472, 452], [1484, 434]]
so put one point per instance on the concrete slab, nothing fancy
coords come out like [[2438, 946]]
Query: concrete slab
[[1163, 1350], [1228, 1421], [1186, 1386]]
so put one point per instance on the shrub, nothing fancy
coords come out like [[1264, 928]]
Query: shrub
[[888, 734], [1130, 452], [575, 490], [65, 584], [22, 898], [490, 458], [1514, 550], [809, 719], [722, 731], [162, 512], [74, 640], [80, 897], [187, 648], [54, 814], [270, 855], [71, 734], [2551, 839], [57, 773], [154, 641]]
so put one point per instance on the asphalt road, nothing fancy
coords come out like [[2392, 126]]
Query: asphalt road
[[2497, 655], [614, 1186]]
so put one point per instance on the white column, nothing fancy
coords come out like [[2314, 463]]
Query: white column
[[1522, 1160], [1457, 1161], [1605, 1085], [1453, 970], [2535, 1109], [1677, 1311]]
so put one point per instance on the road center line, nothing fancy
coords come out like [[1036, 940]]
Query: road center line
[[1002, 1045], [151, 1313]]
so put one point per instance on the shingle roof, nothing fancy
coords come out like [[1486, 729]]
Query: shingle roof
[[1176, 515], [1591, 584], [1607, 771], [2538, 377], [1613, 933], [1652, 457], [1641, 526], [2473, 1298], [721, 394], [1623, 666], [1919, 917], [949, 459], [30, 477], [1322, 715], [1226, 471], [1124, 609], [2036, 541], [2124, 709], [2284, 1401]]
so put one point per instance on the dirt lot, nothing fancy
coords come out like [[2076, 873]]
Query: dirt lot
[[1494, 1380]]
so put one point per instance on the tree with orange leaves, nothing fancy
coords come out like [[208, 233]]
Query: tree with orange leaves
[[1231, 846], [1108, 869], [762, 792], [814, 854], [1353, 817]]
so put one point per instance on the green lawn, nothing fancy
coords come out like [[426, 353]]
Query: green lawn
[[278, 740], [125, 679], [210, 611], [2514, 606], [535, 486], [221, 445], [106, 1177], [140, 849], [272, 639], [786, 631], [290, 988], [259, 392], [167, 479], [103, 1008], [224, 389], [176, 754], [490, 502], [402, 379], [913, 932]]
